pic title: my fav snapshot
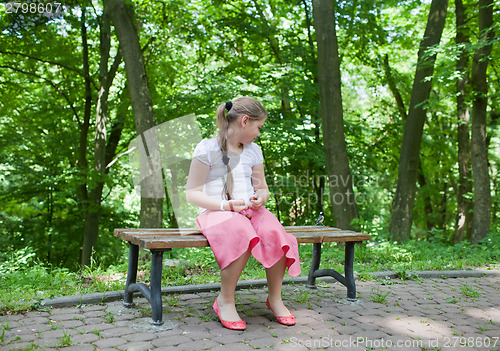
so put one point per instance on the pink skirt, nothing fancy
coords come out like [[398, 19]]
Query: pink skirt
[[231, 234]]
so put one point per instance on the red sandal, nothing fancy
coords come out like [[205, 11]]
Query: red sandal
[[238, 325], [287, 320]]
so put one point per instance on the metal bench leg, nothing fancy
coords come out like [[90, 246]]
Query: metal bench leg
[[347, 279], [316, 258], [349, 271], [151, 293], [133, 257], [155, 287]]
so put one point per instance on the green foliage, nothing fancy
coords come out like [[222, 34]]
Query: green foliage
[[425, 255], [25, 281]]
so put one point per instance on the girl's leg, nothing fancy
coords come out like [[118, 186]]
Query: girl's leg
[[275, 276], [229, 279]]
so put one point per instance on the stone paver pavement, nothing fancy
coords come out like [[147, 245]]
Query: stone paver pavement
[[430, 314]]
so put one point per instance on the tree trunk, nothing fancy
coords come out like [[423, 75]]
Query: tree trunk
[[394, 90], [103, 151], [319, 184], [482, 192], [85, 255], [464, 204], [422, 182], [402, 208], [341, 190], [85, 125], [152, 189]]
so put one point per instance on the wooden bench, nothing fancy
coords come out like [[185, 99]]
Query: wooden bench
[[159, 240]]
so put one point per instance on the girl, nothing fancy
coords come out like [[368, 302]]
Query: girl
[[227, 181]]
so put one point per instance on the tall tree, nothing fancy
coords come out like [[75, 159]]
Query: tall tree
[[464, 203], [104, 148], [404, 198], [151, 173], [341, 185], [480, 169]]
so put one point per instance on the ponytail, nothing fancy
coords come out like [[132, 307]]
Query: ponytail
[[223, 124]]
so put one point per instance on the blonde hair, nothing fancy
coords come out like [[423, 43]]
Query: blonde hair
[[226, 113]]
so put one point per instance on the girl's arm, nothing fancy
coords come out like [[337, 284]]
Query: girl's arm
[[197, 177], [260, 185]]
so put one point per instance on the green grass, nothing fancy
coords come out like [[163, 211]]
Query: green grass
[[379, 296], [65, 340], [25, 282], [469, 291]]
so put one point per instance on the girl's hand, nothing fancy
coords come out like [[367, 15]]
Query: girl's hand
[[256, 202], [236, 205]]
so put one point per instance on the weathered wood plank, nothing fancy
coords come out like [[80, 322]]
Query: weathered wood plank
[[167, 238], [126, 233], [172, 242]]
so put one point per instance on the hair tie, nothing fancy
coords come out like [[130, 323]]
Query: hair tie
[[229, 105]]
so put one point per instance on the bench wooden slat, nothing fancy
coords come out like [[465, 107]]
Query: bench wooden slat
[[181, 231], [166, 239], [128, 234], [169, 238], [152, 243], [125, 233], [309, 229], [336, 236]]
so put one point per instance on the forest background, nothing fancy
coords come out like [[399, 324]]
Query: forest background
[[66, 111]]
